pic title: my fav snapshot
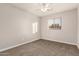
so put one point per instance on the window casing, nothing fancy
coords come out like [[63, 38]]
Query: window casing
[[34, 27], [55, 23]]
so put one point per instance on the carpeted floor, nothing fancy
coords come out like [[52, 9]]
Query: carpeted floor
[[43, 48]]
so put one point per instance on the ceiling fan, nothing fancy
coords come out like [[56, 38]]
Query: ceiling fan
[[45, 7]]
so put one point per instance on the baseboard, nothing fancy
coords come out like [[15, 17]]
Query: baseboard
[[18, 45], [35, 40], [60, 41]]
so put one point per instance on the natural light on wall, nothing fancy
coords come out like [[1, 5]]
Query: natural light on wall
[[34, 27]]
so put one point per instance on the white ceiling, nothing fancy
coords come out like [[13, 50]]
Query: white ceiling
[[56, 7]]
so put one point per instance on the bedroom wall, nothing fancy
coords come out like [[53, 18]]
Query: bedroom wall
[[68, 33], [16, 27], [78, 27]]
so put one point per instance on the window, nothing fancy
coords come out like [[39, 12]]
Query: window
[[34, 27], [55, 23]]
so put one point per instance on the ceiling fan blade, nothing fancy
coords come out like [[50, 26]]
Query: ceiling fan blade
[[37, 9], [51, 9]]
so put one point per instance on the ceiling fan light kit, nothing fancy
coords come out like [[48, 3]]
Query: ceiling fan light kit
[[45, 7]]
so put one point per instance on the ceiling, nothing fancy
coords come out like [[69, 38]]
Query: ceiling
[[55, 7]]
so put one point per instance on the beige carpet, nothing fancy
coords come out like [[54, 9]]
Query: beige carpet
[[43, 48]]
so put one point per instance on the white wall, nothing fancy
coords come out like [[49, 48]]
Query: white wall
[[78, 27], [68, 33], [15, 26]]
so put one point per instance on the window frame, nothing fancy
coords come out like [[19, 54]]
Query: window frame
[[54, 23], [34, 27]]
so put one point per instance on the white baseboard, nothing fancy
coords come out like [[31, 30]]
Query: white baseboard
[[35, 40], [18, 45], [60, 41]]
